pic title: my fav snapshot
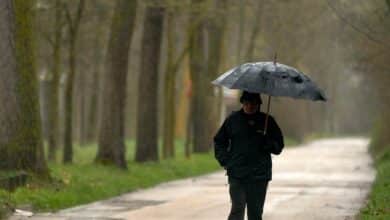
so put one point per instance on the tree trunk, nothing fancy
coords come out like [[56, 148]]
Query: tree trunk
[[241, 31], [90, 114], [169, 92], [81, 106], [111, 135], [147, 145], [68, 140], [202, 90], [188, 145], [256, 29], [20, 130], [53, 132], [73, 31], [94, 81], [173, 64], [43, 97], [184, 127], [216, 30]]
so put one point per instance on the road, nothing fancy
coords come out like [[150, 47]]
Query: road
[[327, 179]]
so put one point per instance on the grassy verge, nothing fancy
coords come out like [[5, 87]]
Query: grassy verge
[[3, 205], [84, 182], [378, 206]]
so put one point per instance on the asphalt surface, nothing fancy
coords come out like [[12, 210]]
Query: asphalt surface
[[327, 179]]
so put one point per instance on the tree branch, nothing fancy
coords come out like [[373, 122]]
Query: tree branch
[[355, 27], [74, 23]]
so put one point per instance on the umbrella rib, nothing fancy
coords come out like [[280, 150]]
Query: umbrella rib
[[261, 78], [239, 78]]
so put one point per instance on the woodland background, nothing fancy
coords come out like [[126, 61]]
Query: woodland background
[[97, 71]]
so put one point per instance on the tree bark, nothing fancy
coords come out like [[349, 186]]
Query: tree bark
[[202, 90], [241, 31], [216, 32], [53, 132], [20, 131], [73, 31], [169, 92], [172, 67], [256, 29], [147, 129], [111, 135]]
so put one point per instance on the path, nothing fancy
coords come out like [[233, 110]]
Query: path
[[326, 179]]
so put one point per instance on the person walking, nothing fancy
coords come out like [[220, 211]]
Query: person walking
[[242, 148]]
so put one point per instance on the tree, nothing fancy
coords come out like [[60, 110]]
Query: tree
[[169, 90], [202, 102], [20, 130], [147, 121], [73, 25], [111, 134], [54, 83], [241, 31], [172, 67], [255, 32], [216, 31]]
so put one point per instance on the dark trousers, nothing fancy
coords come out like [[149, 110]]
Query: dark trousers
[[251, 195]]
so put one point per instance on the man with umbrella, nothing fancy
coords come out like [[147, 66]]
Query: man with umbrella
[[248, 137], [245, 152]]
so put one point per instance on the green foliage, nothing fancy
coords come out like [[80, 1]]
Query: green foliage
[[5, 203], [380, 138], [7, 173], [85, 182], [2, 212], [378, 206], [291, 141]]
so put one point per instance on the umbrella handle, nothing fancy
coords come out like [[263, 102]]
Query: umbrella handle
[[267, 115], [269, 104]]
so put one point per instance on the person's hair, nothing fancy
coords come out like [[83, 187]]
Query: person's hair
[[250, 97]]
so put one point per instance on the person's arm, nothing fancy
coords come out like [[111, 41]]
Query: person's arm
[[274, 139], [221, 143]]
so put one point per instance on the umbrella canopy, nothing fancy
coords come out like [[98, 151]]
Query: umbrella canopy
[[271, 78]]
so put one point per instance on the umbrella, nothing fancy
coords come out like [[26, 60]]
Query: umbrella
[[273, 79]]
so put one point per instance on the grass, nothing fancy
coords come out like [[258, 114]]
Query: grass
[[84, 182], [378, 206], [8, 173], [3, 203], [289, 142]]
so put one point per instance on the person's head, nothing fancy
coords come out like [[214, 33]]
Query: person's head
[[250, 102]]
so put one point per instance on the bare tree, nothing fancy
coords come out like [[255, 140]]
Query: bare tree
[[216, 33], [111, 136], [147, 121], [174, 60], [169, 90], [255, 31], [53, 131], [202, 103], [73, 25], [20, 130]]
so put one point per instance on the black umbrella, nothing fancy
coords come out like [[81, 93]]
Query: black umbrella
[[273, 79]]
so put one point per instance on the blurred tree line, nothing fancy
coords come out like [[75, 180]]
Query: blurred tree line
[[106, 71]]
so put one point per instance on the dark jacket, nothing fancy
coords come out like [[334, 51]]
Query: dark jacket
[[243, 150]]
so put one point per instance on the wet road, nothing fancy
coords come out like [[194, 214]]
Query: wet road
[[326, 179]]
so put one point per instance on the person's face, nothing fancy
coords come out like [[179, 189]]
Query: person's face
[[250, 107]]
